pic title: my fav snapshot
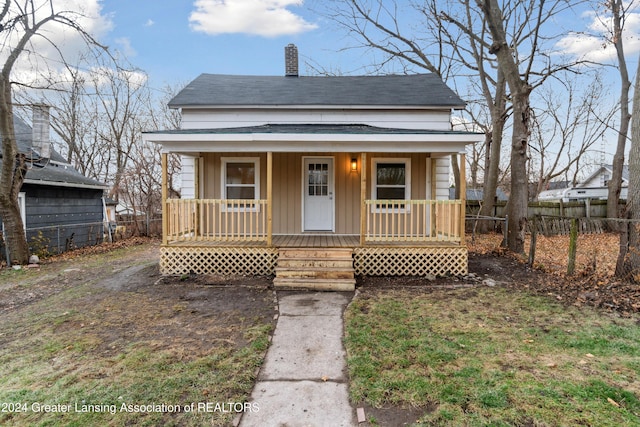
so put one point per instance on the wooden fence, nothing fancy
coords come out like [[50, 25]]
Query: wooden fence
[[579, 209]]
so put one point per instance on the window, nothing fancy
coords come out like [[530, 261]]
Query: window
[[240, 179], [391, 181], [318, 182]]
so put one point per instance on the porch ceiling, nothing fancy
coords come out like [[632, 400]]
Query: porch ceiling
[[313, 138]]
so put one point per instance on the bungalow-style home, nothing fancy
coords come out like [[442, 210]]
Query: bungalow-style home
[[315, 179], [61, 208]]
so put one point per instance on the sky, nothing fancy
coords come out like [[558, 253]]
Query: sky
[[173, 41], [176, 40]]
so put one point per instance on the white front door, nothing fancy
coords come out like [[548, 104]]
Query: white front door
[[318, 197]]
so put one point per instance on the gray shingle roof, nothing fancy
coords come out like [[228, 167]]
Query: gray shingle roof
[[354, 129], [56, 171], [417, 90]]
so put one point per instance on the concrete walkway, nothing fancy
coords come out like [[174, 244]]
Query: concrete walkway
[[303, 381]]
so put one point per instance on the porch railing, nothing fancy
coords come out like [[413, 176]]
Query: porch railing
[[192, 220], [413, 220], [216, 220]]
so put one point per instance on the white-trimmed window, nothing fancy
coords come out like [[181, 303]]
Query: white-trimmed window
[[240, 180], [391, 180]]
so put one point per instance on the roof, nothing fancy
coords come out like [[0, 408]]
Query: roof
[[54, 171], [324, 129], [609, 169], [312, 138], [417, 90]]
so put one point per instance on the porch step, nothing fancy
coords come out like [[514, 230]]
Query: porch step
[[334, 285], [315, 272], [322, 269]]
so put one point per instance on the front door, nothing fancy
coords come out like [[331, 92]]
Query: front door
[[318, 194]]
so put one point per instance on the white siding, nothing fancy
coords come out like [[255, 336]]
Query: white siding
[[407, 119], [441, 172], [598, 180], [188, 187]]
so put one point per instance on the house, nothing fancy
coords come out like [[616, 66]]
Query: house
[[314, 179], [61, 209], [478, 193], [594, 187]]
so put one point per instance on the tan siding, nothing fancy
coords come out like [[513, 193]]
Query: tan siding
[[212, 188], [419, 178], [287, 186], [286, 193]]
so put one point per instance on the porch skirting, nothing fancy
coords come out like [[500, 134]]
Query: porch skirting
[[227, 261], [411, 261], [262, 261]]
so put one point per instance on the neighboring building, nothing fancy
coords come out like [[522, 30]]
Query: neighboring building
[[314, 178], [595, 187], [61, 209], [477, 194]]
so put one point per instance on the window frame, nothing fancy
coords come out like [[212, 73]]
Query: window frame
[[402, 208], [224, 161]]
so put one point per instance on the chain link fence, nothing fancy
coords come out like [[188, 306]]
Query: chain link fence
[[57, 239], [598, 247]]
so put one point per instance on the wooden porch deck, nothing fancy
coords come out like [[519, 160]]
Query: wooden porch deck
[[311, 241]]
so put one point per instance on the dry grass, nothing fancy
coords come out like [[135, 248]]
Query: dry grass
[[596, 253]]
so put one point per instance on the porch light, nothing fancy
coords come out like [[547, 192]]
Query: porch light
[[354, 164]]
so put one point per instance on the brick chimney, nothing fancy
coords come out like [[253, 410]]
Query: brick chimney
[[40, 130], [291, 60]]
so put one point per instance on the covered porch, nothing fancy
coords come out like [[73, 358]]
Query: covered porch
[[381, 194], [389, 237]]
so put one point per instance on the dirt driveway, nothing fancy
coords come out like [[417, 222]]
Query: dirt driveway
[[124, 288]]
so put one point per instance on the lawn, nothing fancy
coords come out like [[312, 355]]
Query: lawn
[[492, 356], [104, 341]]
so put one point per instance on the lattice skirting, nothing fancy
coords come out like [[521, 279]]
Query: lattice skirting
[[218, 260], [411, 261]]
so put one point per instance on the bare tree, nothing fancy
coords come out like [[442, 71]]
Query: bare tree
[[628, 265], [566, 126], [22, 22], [618, 10], [141, 186], [441, 48]]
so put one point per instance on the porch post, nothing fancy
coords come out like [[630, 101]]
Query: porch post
[[269, 198], [463, 194], [363, 198], [164, 198]]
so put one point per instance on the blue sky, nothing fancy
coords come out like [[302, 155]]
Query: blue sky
[[174, 41], [159, 38]]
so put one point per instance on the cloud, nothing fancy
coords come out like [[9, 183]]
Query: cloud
[[125, 47], [149, 23], [55, 42], [267, 18], [593, 45]]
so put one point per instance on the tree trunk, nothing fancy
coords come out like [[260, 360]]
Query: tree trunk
[[631, 262], [519, 197], [615, 183], [492, 170], [11, 178], [456, 175], [520, 94]]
